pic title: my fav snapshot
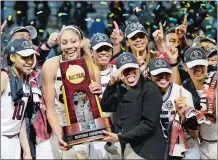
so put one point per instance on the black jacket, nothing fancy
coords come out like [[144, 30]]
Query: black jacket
[[138, 116]]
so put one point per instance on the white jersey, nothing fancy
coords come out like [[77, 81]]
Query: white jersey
[[105, 77], [12, 113], [207, 132], [168, 109]]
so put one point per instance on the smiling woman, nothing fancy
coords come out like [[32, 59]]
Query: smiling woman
[[71, 42]]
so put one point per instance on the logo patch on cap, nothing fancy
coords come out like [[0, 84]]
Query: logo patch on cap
[[100, 38], [136, 26], [26, 45], [126, 59], [196, 55], [12, 48], [160, 63]]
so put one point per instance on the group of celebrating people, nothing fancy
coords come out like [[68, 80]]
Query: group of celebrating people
[[162, 103]]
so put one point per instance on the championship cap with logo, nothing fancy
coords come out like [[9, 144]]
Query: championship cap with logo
[[126, 60], [20, 46], [158, 65], [100, 39], [201, 38], [134, 28], [194, 56], [32, 31], [212, 51]]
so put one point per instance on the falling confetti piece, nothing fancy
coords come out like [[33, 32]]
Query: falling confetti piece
[[126, 14], [172, 19], [98, 20], [119, 8], [209, 18], [5, 40], [64, 14], [109, 25], [9, 17], [39, 12], [191, 20], [150, 6], [210, 10], [137, 9], [88, 19], [208, 27], [148, 23], [158, 6], [165, 22], [185, 10], [202, 4], [131, 4], [4, 8], [187, 5], [41, 30], [153, 14], [31, 22], [51, 4], [19, 12], [155, 27], [111, 15], [104, 3]]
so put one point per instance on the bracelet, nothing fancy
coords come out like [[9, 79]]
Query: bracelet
[[174, 64]]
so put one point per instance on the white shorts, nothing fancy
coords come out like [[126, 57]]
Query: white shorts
[[208, 150], [10, 147]]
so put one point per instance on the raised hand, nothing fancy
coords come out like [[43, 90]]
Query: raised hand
[[180, 104], [116, 35], [3, 26], [158, 34], [172, 53], [181, 29], [115, 77], [53, 39]]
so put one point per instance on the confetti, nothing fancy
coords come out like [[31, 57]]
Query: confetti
[[111, 15], [187, 5], [153, 14], [64, 14], [155, 27], [109, 25], [51, 4], [119, 8], [165, 22], [172, 19], [98, 20], [88, 19], [209, 18], [137, 9], [210, 10], [9, 17], [158, 6], [191, 20], [41, 30], [150, 6], [126, 14], [131, 4], [39, 12], [4, 8], [202, 4], [148, 23], [19, 12], [208, 27], [31, 22], [104, 3], [5, 40]]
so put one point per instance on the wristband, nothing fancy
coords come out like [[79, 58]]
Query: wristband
[[174, 64]]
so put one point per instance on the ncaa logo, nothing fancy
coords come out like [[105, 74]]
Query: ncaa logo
[[26, 45], [100, 38], [126, 59], [136, 26], [196, 55], [160, 63]]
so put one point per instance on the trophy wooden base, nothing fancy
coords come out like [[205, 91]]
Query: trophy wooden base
[[73, 135]]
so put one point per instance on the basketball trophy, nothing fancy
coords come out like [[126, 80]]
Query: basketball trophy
[[84, 115]]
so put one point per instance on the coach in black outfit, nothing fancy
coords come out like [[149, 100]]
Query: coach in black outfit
[[137, 102]]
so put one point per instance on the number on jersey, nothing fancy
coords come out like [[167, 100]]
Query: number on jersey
[[18, 110]]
